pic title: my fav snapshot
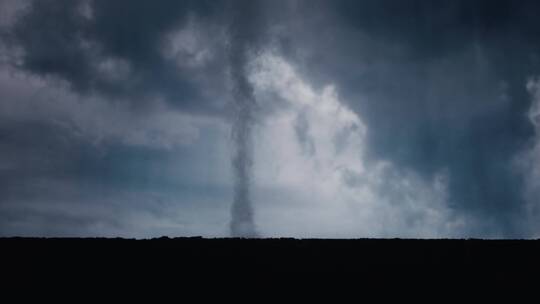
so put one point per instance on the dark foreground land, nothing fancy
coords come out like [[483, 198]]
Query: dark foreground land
[[180, 256]]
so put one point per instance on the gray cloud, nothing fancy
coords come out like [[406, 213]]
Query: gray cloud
[[302, 133]]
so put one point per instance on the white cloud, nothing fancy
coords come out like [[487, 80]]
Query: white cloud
[[114, 70], [333, 191], [529, 161], [86, 10], [193, 45], [533, 86]]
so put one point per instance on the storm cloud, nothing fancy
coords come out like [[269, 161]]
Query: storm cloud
[[373, 118]]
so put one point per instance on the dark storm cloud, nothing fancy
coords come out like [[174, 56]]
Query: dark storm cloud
[[70, 39], [440, 86]]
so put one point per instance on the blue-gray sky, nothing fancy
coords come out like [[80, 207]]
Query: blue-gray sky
[[372, 118]]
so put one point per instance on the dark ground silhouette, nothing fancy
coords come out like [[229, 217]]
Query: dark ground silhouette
[[469, 259]]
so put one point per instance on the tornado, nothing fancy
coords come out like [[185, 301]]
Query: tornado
[[244, 104], [242, 222]]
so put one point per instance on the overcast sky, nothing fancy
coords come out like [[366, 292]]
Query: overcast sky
[[372, 118]]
